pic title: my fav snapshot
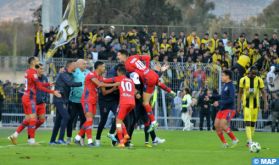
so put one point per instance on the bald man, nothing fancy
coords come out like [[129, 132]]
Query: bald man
[[75, 108]]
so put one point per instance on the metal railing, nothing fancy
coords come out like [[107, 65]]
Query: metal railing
[[179, 75]]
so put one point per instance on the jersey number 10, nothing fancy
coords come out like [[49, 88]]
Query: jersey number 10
[[126, 86]]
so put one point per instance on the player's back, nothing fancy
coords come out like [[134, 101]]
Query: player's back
[[135, 64], [126, 90], [90, 92]]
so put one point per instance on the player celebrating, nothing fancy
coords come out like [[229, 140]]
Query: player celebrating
[[149, 78], [227, 109], [126, 103], [29, 100], [89, 99], [250, 87]]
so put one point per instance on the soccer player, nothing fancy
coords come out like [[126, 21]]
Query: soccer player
[[227, 109], [108, 102], [32, 83], [250, 87], [149, 78], [41, 98], [126, 103], [89, 98], [141, 115]]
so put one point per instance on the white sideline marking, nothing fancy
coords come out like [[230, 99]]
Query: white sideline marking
[[22, 144]]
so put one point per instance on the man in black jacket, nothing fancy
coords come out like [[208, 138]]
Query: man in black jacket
[[64, 82], [205, 109]]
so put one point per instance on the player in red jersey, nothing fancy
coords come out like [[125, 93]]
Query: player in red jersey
[[89, 98], [149, 78], [126, 103], [32, 83]]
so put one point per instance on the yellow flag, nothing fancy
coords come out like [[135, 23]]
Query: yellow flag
[[69, 27]]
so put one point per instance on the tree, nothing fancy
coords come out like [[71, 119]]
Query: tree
[[270, 16]]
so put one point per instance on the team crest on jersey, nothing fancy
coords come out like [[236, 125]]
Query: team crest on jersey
[[35, 76], [226, 89]]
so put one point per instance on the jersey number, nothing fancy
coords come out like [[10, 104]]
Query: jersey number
[[26, 84], [126, 86], [140, 65]]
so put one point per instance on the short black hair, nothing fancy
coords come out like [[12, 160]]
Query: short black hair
[[118, 66], [68, 63], [122, 70], [123, 52], [97, 64], [187, 90], [31, 59], [228, 73]]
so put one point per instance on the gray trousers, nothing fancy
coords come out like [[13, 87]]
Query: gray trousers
[[274, 117]]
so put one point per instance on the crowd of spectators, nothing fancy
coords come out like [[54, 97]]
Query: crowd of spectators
[[193, 58]]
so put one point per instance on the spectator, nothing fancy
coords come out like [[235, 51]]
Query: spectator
[[205, 40], [73, 52], [2, 98], [265, 42], [215, 41], [205, 102], [200, 76], [39, 41], [256, 40], [275, 112], [225, 38], [193, 40], [177, 106], [274, 41], [112, 33]]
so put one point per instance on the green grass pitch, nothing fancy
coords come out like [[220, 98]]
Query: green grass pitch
[[194, 147]]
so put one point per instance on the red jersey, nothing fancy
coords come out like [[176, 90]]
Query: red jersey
[[135, 64], [32, 83], [126, 89], [90, 92]]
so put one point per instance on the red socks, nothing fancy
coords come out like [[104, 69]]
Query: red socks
[[39, 123], [21, 127], [86, 128], [230, 133], [121, 132], [148, 109], [221, 136], [32, 127]]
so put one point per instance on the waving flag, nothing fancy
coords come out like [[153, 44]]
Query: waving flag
[[69, 27]]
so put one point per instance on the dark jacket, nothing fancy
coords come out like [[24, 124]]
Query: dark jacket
[[227, 97], [112, 97], [42, 97], [63, 83]]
